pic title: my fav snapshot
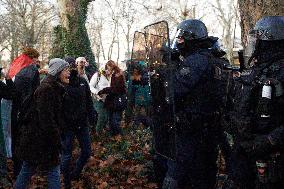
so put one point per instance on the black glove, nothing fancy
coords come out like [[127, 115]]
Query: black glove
[[257, 147], [100, 92], [167, 52]]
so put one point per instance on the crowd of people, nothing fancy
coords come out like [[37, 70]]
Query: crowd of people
[[46, 109], [196, 108]]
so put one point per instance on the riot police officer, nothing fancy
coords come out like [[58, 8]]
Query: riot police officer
[[198, 97], [257, 116]]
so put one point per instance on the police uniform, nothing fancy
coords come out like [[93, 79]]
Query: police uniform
[[198, 98], [256, 120]]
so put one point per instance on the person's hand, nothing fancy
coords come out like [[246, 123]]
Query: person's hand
[[43, 71], [100, 93]]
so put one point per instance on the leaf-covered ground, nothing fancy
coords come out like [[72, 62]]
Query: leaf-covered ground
[[122, 162]]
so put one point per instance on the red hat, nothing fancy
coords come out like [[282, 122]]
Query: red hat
[[19, 63]]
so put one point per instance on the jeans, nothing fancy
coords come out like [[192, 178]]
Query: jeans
[[102, 116], [6, 108], [3, 168], [27, 171], [83, 138], [114, 122]]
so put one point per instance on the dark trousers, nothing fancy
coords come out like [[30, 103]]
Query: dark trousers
[[83, 138], [15, 131], [114, 122], [195, 166], [160, 169]]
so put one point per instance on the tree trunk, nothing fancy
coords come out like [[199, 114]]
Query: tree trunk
[[253, 10], [73, 16]]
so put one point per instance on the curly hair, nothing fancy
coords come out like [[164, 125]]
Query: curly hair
[[31, 52]]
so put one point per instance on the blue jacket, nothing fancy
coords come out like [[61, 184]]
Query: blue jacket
[[196, 89]]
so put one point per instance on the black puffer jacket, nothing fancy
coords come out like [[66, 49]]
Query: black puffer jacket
[[78, 105], [39, 142], [27, 80]]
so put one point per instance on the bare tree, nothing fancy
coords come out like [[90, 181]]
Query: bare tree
[[95, 30], [227, 17], [26, 21]]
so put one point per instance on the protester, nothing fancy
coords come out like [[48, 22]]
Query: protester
[[7, 91], [116, 100], [99, 81], [79, 113], [81, 63], [42, 125], [25, 72], [6, 108], [139, 84]]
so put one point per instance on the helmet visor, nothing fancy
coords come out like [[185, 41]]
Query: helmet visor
[[174, 38], [250, 48]]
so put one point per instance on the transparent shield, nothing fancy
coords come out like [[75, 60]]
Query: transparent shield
[[174, 38], [157, 38], [250, 47], [139, 47]]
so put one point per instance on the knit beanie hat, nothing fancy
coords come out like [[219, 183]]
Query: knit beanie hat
[[56, 65], [71, 61]]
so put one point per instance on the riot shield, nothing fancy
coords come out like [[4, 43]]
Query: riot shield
[[137, 94], [159, 65], [139, 47]]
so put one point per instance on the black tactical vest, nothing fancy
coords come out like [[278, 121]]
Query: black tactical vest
[[246, 117]]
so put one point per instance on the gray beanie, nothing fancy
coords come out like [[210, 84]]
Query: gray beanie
[[56, 65]]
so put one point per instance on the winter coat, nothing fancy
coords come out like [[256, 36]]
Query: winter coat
[[117, 88], [39, 142], [26, 81], [78, 105]]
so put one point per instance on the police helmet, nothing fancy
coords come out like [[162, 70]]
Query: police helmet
[[192, 29], [189, 30], [269, 28]]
